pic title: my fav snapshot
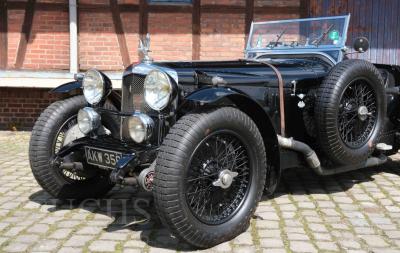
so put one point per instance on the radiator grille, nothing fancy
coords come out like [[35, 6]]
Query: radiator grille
[[132, 99], [133, 95]]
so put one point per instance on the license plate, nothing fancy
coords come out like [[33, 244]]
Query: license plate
[[102, 157]]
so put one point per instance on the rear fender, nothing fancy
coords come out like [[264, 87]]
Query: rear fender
[[222, 96]]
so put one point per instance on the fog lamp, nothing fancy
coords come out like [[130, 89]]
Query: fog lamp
[[140, 127], [88, 120]]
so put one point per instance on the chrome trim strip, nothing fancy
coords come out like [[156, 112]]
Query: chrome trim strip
[[302, 19], [297, 52], [145, 68]]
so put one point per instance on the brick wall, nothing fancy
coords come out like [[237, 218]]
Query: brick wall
[[19, 107], [48, 45], [222, 36]]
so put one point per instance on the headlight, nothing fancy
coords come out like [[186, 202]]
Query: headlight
[[157, 90], [93, 86], [88, 120], [140, 127]]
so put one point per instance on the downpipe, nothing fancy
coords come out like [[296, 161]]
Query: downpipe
[[314, 163]]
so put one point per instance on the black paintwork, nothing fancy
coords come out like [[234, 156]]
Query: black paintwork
[[255, 80], [67, 87], [253, 87]]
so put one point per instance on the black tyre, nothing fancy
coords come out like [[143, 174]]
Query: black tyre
[[194, 197], [55, 125], [350, 111]]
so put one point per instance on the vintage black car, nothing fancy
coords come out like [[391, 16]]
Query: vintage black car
[[209, 137]]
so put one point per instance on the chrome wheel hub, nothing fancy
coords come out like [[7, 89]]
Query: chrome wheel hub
[[72, 134], [225, 179], [363, 113]]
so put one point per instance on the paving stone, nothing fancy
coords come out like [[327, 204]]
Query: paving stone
[[38, 229], [89, 230], [78, 240], [374, 241], [327, 246], [69, 250], [244, 249], [223, 247], [27, 238], [299, 246], [349, 244], [132, 251], [274, 250], [46, 245], [317, 227], [395, 234], [13, 231], [16, 247], [244, 239], [274, 233], [299, 237], [113, 236], [355, 213], [103, 246], [135, 244], [61, 233], [322, 237], [271, 243]]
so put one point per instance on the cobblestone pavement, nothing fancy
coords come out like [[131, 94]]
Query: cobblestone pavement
[[354, 212]]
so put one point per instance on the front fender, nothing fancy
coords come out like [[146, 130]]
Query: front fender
[[114, 96], [224, 96], [67, 87]]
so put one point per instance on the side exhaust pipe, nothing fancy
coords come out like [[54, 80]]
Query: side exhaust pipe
[[309, 154], [314, 163]]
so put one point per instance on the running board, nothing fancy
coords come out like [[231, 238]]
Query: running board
[[370, 162], [314, 163]]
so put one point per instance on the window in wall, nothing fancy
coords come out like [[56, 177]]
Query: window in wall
[[169, 1]]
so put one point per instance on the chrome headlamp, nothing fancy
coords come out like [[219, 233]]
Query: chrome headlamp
[[157, 90], [93, 86], [140, 127], [88, 120]]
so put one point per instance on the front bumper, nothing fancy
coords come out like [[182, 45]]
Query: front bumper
[[133, 155]]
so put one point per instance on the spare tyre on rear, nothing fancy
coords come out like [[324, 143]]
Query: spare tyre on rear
[[350, 111]]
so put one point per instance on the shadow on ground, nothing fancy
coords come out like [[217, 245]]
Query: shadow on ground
[[134, 210]]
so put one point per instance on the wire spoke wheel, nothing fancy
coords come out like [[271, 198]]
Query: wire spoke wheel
[[68, 132], [218, 177], [357, 114]]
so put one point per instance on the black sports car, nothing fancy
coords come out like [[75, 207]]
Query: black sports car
[[208, 138]]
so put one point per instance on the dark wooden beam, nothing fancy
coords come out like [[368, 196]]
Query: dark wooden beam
[[304, 8], [196, 29], [277, 9], [143, 21], [25, 33], [102, 8], [249, 16], [20, 5], [221, 8], [3, 34], [143, 17], [119, 30], [170, 8]]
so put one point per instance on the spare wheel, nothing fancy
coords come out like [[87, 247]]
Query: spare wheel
[[350, 111]]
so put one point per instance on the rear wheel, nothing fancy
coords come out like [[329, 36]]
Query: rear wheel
[[209, 176], [56, 127]]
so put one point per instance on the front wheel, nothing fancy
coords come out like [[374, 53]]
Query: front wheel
[[209, 176], [56, 127]]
